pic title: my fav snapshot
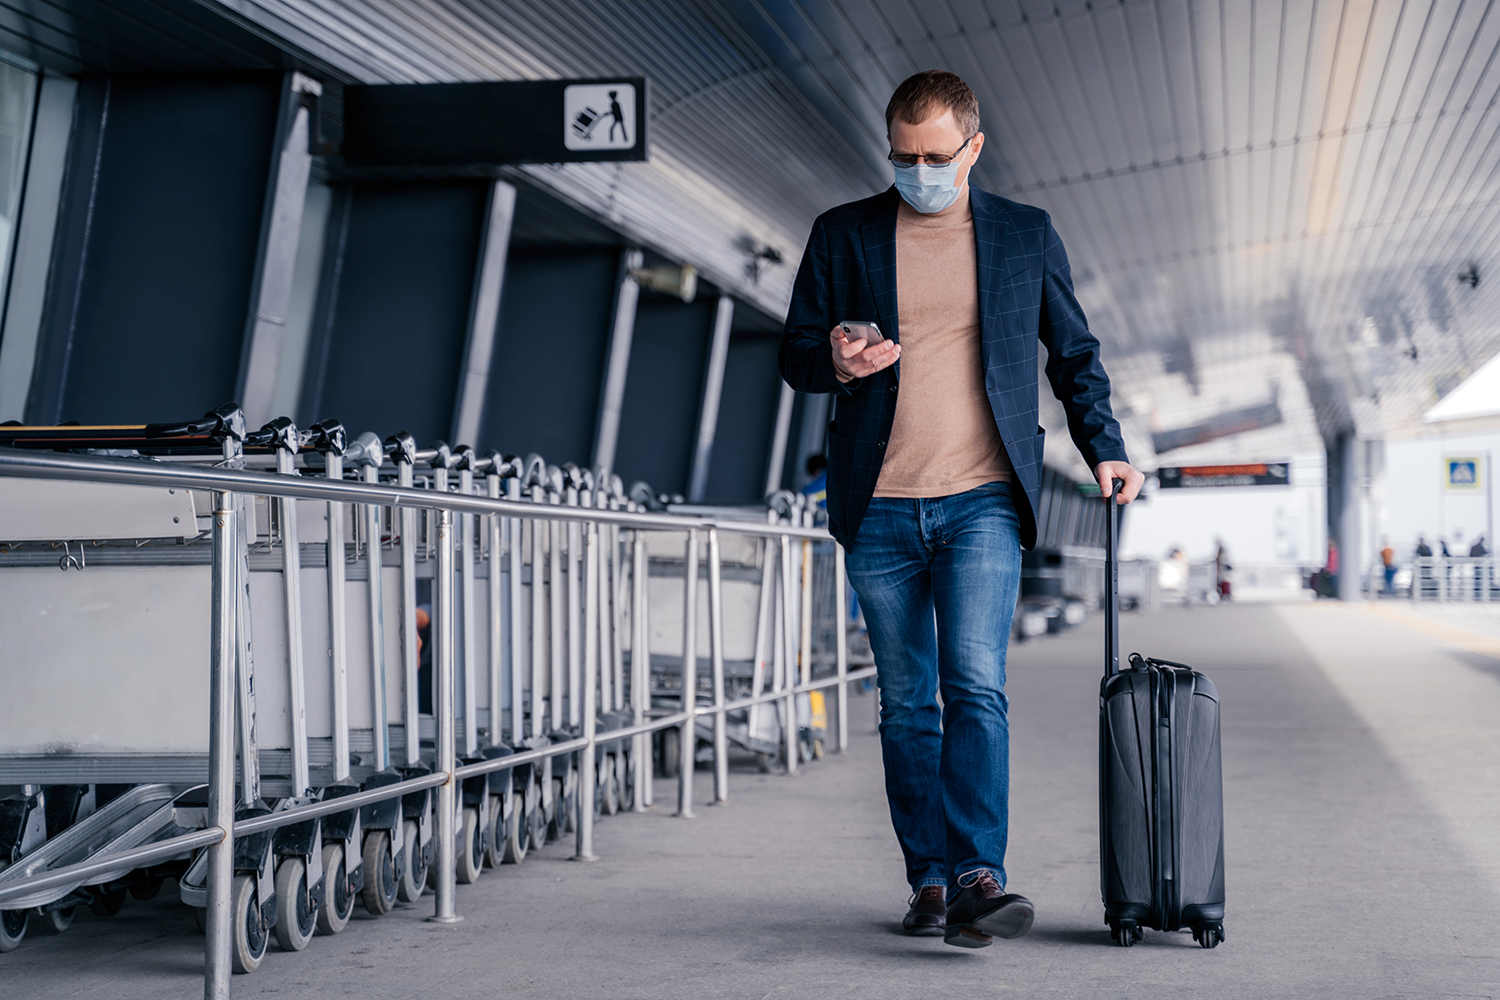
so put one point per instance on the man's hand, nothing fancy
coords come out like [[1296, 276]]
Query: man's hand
[[856, 359], [1108, 472]]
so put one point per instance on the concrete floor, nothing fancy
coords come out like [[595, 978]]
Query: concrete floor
[[1361, 764]]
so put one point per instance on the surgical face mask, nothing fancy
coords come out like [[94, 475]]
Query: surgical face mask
[[930, 189]]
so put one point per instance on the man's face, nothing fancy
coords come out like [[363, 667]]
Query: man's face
[[937, 135]]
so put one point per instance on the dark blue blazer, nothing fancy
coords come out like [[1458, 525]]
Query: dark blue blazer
[[1025, 296]]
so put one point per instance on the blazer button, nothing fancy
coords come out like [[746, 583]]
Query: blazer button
[[893, 388], [880, 444]]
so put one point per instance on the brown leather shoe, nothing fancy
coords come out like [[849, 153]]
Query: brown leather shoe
[[928, 915], [983, 911]]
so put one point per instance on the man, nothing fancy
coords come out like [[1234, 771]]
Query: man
[[934, 473], [1478, 551], [1221, 569], [1388, 566]]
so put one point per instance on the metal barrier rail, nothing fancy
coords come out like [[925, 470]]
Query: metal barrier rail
[[218, 837], [159, 851], [132, 472], [1461, 579]]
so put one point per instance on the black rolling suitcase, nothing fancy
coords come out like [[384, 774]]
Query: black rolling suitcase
[[1161, 789]]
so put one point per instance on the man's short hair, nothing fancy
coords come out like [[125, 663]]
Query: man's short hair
[[928, 94]]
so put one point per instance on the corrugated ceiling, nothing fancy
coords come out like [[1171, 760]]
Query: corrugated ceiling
[[1254, 193], [740, 159], [1263, 199]]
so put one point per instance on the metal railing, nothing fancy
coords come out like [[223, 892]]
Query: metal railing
[[221, 829], [1453, 578]]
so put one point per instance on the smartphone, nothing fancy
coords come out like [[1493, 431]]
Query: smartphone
[[868, 332]]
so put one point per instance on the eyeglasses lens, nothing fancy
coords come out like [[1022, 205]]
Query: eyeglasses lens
[[932, 160]]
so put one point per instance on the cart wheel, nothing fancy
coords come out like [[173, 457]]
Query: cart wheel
[[414, 873], [146, 890], [611, 784], [106, 903], [671, 753], [57, 921], [763, 763], [538, 818], [470, 849], [296, 919], [12, 929], [517, 831], [562, 809], [379, 892], [338, 901], [627, 784], [250, 935], [570, 800], [494, 844]]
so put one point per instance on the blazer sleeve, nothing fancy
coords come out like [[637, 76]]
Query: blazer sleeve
[[1073, 365], [806, 359]]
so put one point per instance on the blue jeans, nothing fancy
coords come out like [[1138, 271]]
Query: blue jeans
[[938, 581]]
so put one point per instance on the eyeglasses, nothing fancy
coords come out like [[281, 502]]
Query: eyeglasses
[[931, 159]]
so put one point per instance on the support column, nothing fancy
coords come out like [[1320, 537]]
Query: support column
[[1346, 518], [27, 294], [484, 313], [779, 438], [713, 392], [622, 330], [812, 433], [281, 229]]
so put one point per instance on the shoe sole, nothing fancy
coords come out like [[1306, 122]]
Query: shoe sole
[[1008, 921], [965, 936], [925, 930]]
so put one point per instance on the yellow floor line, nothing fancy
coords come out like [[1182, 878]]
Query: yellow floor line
[[1474, 642]]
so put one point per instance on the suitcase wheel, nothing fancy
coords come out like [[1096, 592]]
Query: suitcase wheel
[[1127, 932], [1208, 935]]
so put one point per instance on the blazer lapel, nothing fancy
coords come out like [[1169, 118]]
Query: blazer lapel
[[991, 231], [879, 236]]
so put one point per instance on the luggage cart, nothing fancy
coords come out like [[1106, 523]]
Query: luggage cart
[[142, 598], [773, 640]]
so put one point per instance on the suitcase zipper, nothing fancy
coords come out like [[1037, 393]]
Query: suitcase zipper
[[1166, 797]]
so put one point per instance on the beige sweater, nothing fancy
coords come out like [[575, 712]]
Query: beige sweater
[[944, 439]]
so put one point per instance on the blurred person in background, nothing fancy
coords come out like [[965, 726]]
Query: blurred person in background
[[1388, 565], [1478, 551], [1423, 551], [1221, 569]]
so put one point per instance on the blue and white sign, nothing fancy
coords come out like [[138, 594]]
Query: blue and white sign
[[1462, 472]]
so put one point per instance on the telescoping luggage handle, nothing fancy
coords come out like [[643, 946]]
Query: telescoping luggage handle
[[1112, 580]]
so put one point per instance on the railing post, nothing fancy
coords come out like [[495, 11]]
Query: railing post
[[588, 778], [805, 609], [841, 640], [716, 652], [338, 640], [218, 926], [788, 613], [443, 640], [379, 708], [640, 668], [688, 735]]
